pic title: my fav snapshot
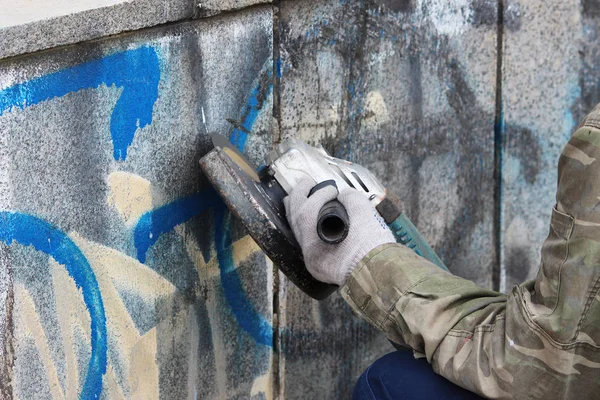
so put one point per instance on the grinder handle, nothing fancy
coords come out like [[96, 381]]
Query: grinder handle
[[407, 234], [403, 229], [333, 223]]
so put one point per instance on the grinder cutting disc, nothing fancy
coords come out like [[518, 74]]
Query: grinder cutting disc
[[257, 199]]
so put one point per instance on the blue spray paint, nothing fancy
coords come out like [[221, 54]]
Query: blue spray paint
[[136, 71], [278, 67], [164, 219], [251, 111], [245, 313], [32, 231]]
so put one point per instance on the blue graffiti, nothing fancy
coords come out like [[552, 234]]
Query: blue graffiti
[[239, 136], [163, 219], [278, 67], [136, 71], [245, 314], [32, 231]]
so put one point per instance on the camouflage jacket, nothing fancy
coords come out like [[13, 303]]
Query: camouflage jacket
[[542, 340]]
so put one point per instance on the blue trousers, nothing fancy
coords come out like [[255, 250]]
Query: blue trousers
[[399, 375]]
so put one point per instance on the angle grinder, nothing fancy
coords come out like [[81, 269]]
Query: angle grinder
[[256, 196]]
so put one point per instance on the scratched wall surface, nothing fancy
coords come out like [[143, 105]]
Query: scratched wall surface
[[407, 90], [121, 273], [122, 276]]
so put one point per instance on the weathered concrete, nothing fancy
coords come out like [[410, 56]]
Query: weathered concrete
[[28, 26], [541, 97], [407, 90], [589, 73], [105, 216], [210, 7], [101, 144], [412, 97]]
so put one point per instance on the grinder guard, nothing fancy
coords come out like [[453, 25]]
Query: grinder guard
[[257, 200]]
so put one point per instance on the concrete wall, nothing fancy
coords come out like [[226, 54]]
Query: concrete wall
[[121, 274]]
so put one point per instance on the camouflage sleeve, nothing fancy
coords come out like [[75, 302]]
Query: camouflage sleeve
[[542, 340]]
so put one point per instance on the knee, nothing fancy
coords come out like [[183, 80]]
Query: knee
[[400, 375], [393, 374]]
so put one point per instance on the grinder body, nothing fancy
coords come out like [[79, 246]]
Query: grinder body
[[256, 197], [293, 160]]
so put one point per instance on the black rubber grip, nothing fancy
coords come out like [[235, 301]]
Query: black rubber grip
[[333, 223], [322, 185]]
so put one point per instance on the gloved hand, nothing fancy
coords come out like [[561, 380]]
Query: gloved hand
[[333, 263]]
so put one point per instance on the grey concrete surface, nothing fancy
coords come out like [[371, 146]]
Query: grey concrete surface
[[408, 91], [542, 94], [182, 318], [26, 27], [99, 150], [410, 96]]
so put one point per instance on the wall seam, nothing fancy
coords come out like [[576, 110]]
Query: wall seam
[[276, 138], [498, 272]]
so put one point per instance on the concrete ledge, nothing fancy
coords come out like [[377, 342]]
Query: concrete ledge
[[211, 7], [28, 26]]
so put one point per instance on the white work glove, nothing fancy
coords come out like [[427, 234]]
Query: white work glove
[[333, 263]]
